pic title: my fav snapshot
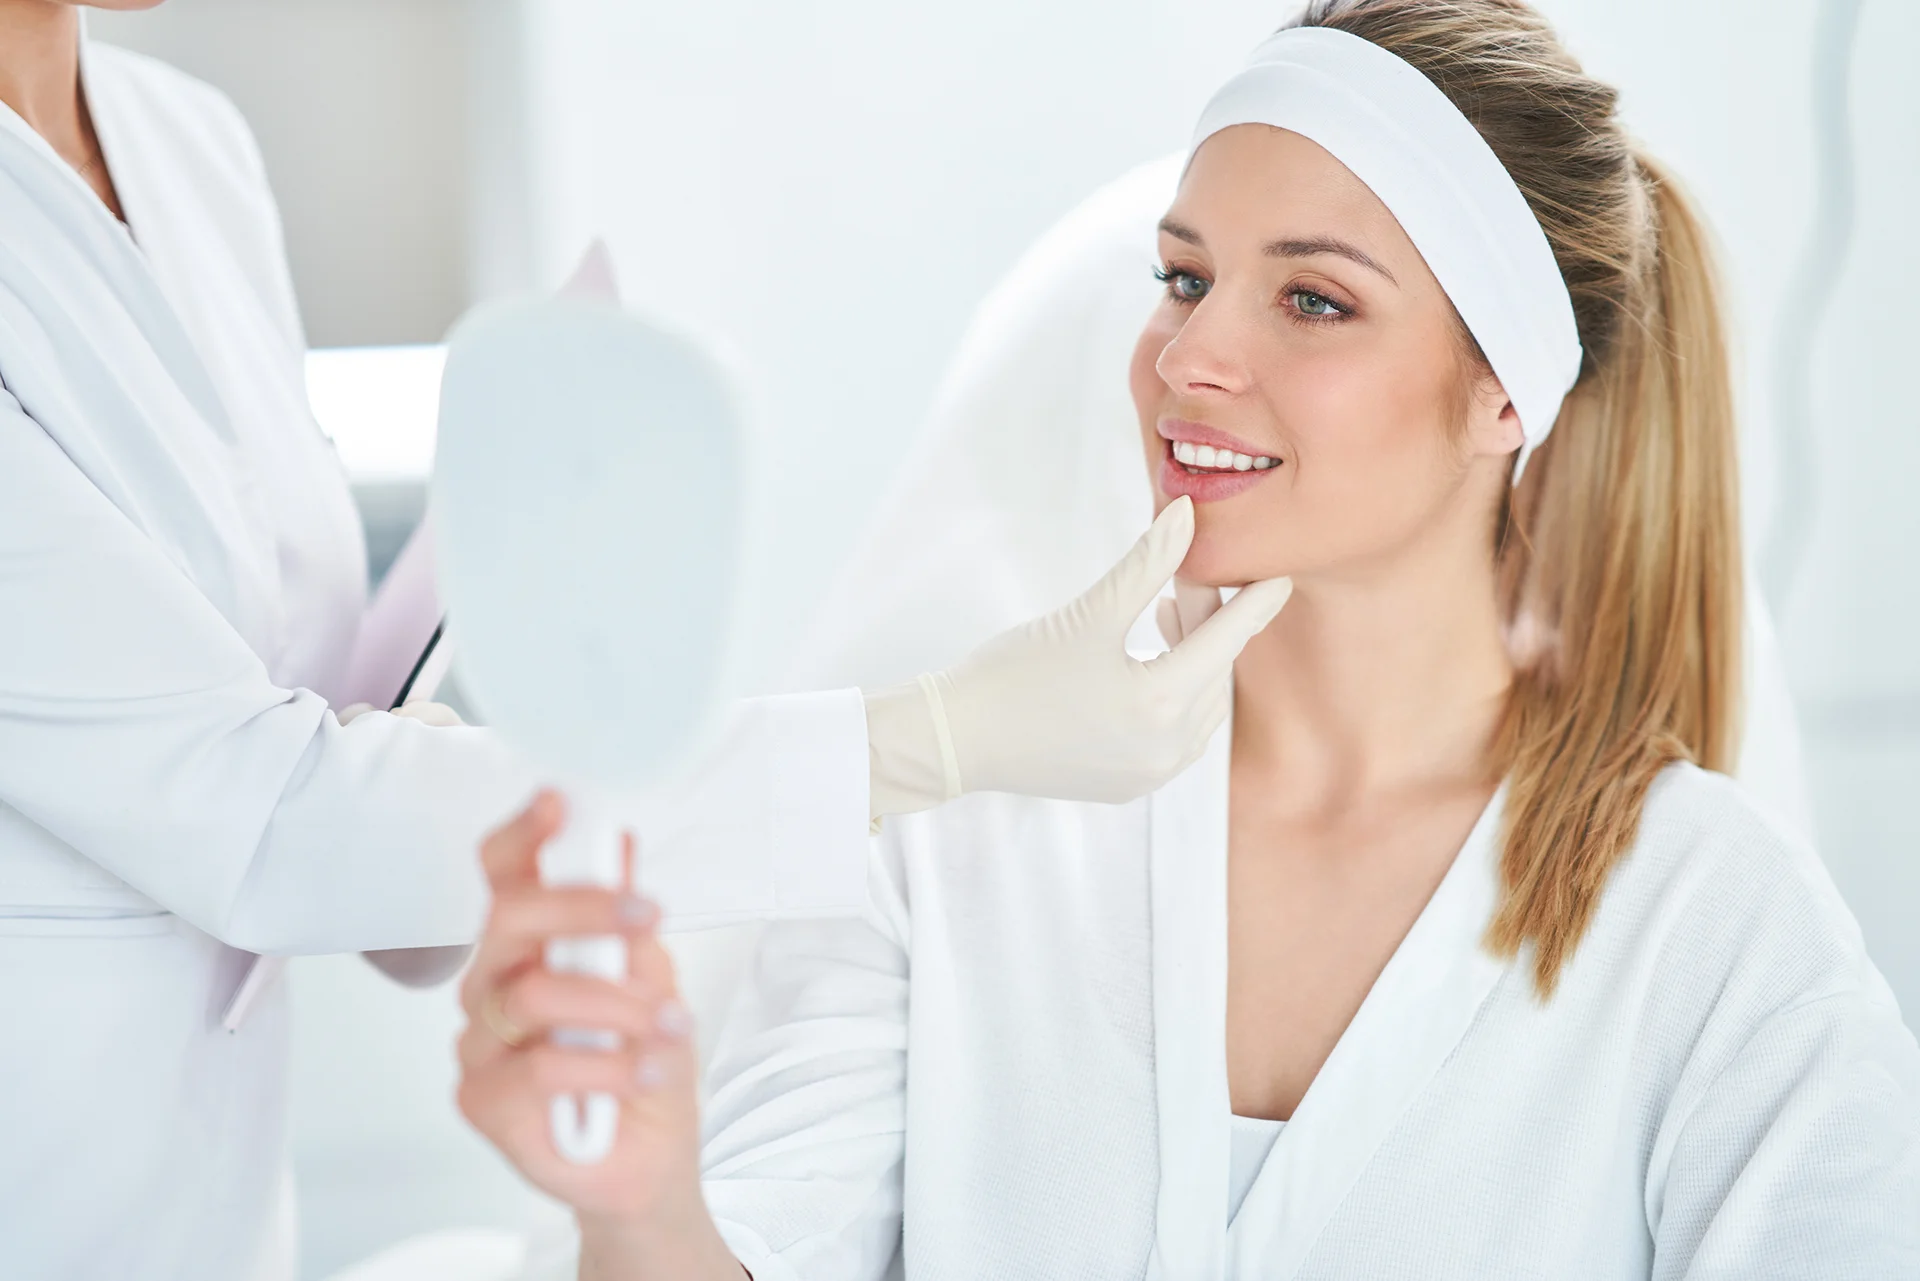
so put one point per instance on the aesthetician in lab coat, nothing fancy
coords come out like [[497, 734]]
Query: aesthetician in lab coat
[[181, 579], [1457, 955]]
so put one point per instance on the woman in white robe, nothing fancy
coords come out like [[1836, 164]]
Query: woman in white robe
[[182, 577], [1277, 1018]]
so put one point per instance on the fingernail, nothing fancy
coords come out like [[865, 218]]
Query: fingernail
[[651, 1074], [673, 1019], [638, 911]]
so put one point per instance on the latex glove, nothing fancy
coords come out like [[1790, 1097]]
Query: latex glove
[[1056, 707], [438, 714]]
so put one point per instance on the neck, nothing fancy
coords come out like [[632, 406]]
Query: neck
[[40, 71], [1392, 680]]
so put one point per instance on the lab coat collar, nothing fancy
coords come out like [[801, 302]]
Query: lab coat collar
[[1415, 1014]]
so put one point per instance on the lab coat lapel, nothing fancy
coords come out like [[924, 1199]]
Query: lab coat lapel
[[1411, 1020], [1189, 888], [112, 373]]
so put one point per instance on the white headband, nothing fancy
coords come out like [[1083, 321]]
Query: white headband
[[1393, 128]]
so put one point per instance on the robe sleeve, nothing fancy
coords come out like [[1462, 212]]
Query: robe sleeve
[[806, 1117], [1802, 1158], [140, 731]]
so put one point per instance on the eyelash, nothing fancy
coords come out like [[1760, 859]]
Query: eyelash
[[1168, 275]]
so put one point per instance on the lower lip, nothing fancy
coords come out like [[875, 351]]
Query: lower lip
[[1207, 486]]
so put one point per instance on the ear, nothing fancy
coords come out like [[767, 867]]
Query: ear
[[1493, 424]]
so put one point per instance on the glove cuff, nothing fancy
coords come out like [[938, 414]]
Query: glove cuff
[[949, 761], [910, 759]]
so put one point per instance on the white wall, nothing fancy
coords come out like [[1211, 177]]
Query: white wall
[[831, 187], [360, 107]]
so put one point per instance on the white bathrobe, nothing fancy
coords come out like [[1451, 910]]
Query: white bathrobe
[[181, 578], [1015, 1068]]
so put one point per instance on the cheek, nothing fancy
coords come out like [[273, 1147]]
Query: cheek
[[1150, 391], [1369, 463]]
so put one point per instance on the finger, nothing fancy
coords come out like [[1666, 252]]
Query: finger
[[1132, 584], [1212, 648], [1167, 615], [546, 1069], [1196, 603], [523, 921], [510, 1093], [538, 1000], [352, 711], [650, 965], [511, 854]]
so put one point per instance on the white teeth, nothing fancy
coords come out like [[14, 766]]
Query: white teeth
[[1209, 458]]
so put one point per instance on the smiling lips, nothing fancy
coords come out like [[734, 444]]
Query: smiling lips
[[1207, 465]]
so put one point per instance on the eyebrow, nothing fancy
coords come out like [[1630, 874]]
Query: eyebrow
[[1307, 247]]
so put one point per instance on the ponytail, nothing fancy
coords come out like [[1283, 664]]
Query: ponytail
[[1627, 567]]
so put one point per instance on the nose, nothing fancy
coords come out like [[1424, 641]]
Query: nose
[[1204, 357]]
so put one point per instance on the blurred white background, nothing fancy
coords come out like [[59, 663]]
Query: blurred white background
[[830, 187]]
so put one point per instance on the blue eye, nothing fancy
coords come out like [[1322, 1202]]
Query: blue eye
[[1182, 286]]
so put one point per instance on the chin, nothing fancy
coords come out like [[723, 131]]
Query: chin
[[1215, 561]]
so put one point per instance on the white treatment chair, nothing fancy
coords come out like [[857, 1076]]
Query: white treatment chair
[[965, 546]]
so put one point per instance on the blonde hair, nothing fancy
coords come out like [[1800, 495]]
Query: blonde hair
[[1619, 554]]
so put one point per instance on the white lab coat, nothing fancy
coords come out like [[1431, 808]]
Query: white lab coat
[[1015, 1068], [181, 577]]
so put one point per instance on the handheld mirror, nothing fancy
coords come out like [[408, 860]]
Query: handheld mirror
[[587, 503]]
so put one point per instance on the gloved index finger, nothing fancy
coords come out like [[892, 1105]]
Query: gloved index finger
[[1130, 586], [1212, 647]]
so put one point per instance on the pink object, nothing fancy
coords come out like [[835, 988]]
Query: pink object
[[397, 626], [594, 277]]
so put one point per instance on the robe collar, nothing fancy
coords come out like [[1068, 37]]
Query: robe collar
[[1415, 1014]]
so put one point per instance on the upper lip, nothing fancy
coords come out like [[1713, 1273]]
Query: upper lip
[[1201, 434]]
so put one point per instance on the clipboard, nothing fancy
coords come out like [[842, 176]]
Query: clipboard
[[429, 670]]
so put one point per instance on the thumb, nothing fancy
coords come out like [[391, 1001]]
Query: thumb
[[1217, 642], [1132, 584]]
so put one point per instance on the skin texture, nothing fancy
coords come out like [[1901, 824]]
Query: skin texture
[[1362, 714]]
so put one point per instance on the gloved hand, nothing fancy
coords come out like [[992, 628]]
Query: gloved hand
[[1056, 707], [1181, 614]]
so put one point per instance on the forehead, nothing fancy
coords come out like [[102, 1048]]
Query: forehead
[[1253, 184]]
